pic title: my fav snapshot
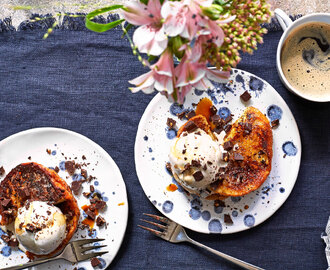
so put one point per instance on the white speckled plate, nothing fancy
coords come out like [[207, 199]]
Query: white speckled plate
[[152, 147], [109, 183]]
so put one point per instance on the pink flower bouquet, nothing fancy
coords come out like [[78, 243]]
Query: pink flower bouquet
[[198, 33]]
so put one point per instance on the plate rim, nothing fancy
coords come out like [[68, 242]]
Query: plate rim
[[154, 102], [98, 148]]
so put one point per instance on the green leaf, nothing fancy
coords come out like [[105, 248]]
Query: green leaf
[[100, 27]]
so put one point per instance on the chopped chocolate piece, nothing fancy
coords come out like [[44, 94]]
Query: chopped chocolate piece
[[228, 220], [187, 166], [6, 202], [48, 151], [57, 169], [75, 186], [198, 176], [100, 221], [70, 167], [190, 127], [5, 238], [238, 157], [31, 228], [245, 96], [190, 114], [216, 119], [2, 171], [184, 151], [13, 242], [275, 123], [228, 145], [99, 205], [86, 194], [218, 129], [90, 214], [209, 162], [168, 167], [204, 167], [181, 115], [228, 119], [195, 163], [83, 157], [24, 193], [247, 128], [92, 207], [225, 156], [213, 110], [170, 123], [198, 133], [227, 128], [90, 178], [29, 157], [95, 262], [83, 173], [91, 188]]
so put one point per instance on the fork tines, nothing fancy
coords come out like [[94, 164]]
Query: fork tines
[[161, 226], [79, 246]]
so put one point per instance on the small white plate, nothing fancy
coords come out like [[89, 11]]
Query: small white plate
[[153, 143], [31, 145]]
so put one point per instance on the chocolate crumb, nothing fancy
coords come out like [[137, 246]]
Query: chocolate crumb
[[5, 203], [13, 242], [90, 214], [184, 151], [75, 186], [198, 176], [100, 205], [227, 128], [70, 167], [100, 221], [275, 123], [170, 123], [195, 163], [83, 157], [190, 127], [168, 167], [95, 262], [245, 96], [48, 151], [5, 238], [190, 114], [91, 188], [228, 145], [29, 157], [228, 220], [83, 173], [238, 157], [213, 110], [57, 169], [2, 171]]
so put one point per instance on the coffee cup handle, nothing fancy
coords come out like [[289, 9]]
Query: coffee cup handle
[[282, 18]]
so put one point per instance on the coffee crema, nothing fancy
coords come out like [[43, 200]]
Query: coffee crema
[[305, 59]]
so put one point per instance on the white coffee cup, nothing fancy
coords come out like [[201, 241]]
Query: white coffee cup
[[288, 26]]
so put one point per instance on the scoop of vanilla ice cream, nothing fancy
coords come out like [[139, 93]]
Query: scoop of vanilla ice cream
[[40, 227], [193, 153]]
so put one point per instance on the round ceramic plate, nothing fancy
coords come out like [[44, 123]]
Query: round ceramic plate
[[153, 142], [64, 145]]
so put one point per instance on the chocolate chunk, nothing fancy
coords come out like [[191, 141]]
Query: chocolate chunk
[[225, 156], [24, 193], [2, 171], [100, 205], [227, 128], [245, 96], [198, 176], [95, 262], [83, 173], [238, 157], [5, 238], [6, 202], [228, 119], [75, 186], [100, 221], [168, 167], [190, 127], [213, 110], [198, 133], [91, 188], [184, 151], [70, 167], [31, 228], [90, 214], [209, 162], [170, 123], [218, 129], [228, 220], [204, 167], [275, 123], [92, 207], [195, 163], [83, 157], [86, 194], [228, 145], [181, 115], [48, 151], [247, 128], [57, 169], [190, 114], [13, 242], [216, 119]]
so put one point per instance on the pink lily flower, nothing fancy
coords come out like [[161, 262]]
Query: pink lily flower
[[149, 37]]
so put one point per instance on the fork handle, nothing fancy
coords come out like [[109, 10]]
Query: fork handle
[[29, 264], [236, 261]]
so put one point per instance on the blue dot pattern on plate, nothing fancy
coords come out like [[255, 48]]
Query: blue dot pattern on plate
[[96, 183], [145, 138], [212, 94], [215, 226], [282, 189], [167, 207], [274, 112], [76, 177], [234, 213], [224, 89], [150, 149], [256, 84], [195, 214], [196, 203], [54, 152], [81, 268], [240, 79], [249, 220], [171, 133], [206, 215], [198, 92], [289, 149], [224, 112], [62, 165], [176, 108], [6, 251], [102, 263], [218, 209], [235, 199]]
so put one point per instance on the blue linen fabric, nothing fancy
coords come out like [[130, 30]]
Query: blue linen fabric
[[77, 79]]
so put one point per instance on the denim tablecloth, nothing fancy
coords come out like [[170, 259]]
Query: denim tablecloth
[[77, 79]]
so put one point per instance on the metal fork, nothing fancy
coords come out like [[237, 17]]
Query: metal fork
[[175, 233], [74, 252]]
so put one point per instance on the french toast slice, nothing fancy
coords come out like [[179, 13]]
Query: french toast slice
[[250, 159], [35, 182]]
